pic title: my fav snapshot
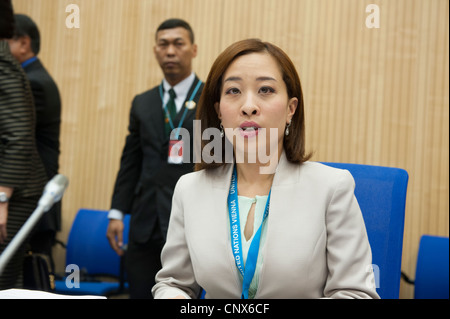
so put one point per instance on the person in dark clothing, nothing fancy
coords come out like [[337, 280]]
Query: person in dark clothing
[[22, 174], [25, 47], [147, 175]]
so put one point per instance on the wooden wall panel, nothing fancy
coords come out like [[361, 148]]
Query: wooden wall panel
[[373, 96]]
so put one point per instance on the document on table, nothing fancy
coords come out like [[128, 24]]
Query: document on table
[[36, 294]]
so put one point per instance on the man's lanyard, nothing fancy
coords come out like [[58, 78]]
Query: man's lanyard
[[29, 61], [166, 112], [248, 271]]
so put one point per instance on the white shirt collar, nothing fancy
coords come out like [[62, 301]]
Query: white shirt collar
[[181, 90]]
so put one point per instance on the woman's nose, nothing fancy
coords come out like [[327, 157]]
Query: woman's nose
[[250, 107]]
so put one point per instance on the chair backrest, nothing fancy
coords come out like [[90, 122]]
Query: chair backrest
[[432, 271], [87, 245], [381, 194]]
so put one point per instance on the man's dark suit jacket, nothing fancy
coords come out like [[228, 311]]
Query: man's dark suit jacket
[[145, 182], [48, 120]]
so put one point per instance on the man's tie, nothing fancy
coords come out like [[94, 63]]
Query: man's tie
[[172, 109]]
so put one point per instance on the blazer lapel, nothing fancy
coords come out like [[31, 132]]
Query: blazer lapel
[[283, 173], [285, 177], [156, 115]]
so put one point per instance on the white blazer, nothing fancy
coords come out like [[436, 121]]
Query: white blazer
[[316, 244]]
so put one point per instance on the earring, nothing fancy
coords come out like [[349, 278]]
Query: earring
[[287, 129], [222, 134]]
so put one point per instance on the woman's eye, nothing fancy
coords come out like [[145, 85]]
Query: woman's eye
[[232, 91], [266, 90]]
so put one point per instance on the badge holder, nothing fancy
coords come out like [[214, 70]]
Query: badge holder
[[175, 152], [175, 155]]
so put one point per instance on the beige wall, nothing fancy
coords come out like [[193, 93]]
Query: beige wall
[[373, 96]]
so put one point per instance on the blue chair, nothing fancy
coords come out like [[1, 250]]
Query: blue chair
[[89, 249], [381, 194], [432, 269]]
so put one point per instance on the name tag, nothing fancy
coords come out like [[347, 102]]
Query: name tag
[[175, 152]]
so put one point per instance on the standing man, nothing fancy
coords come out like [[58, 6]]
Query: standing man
[[147, 175], [25, 47]]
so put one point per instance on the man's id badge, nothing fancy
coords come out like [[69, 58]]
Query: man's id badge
[[175, 152]]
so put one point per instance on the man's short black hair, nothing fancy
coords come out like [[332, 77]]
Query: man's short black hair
[[176, 23], [6, 19], [26, 27]]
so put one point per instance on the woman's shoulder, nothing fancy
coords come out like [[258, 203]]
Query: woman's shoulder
[[324, 172], [191, 177], [204, 176], [321, 167]]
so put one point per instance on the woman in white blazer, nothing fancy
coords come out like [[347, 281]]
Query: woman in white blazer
[[256, 226]]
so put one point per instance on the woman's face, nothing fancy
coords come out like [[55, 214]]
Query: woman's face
[[254, 104]]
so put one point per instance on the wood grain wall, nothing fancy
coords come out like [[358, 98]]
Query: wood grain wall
[[373, 95]]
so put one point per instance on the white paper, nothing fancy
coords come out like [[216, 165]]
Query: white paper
[[37, 294]]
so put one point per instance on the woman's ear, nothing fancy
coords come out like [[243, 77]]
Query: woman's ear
[[292, 107], [217, 107]]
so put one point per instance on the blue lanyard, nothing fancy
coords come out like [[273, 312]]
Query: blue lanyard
[[29, 61], [185, 109], [248, 271]]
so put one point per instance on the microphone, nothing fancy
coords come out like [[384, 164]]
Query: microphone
[[53, 191]]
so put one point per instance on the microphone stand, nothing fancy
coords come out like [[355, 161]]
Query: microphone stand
[[20, 237], [53, 192]]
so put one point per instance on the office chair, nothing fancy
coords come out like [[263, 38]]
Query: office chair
[[432, 269], [88, 248], [381, 194]]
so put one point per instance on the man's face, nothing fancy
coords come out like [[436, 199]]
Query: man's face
[[174, 52], [18, 48]]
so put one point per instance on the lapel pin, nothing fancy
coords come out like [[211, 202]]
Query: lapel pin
[[190, 105]]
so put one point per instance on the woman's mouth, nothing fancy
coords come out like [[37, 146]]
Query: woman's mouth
[[249, 129]]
